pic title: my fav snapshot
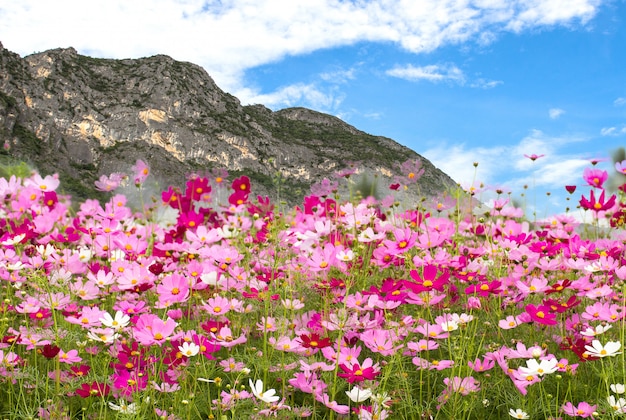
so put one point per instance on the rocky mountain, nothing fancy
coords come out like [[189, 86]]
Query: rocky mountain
[[83, 117]]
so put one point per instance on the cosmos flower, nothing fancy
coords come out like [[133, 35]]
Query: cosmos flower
[[268, 396], [596, 349]]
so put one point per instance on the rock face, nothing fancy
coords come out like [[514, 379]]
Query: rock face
[[83, 117]]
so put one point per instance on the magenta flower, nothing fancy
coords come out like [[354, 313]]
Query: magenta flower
[[356, 372], [541, 314], [595, 177], [428, 280], [94, 389], [534, 157], [599, 205]]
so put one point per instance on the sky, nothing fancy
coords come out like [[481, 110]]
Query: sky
[[458, 81]]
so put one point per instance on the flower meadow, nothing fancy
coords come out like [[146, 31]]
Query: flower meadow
[[207, 302]]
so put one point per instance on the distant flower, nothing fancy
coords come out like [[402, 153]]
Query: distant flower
[[518, 413], [611, 348], [570, 188], [533, 157], [141, 171], [109, 183], [621, 167], [268, 396]]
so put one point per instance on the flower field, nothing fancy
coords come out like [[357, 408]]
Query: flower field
[[208, 302]]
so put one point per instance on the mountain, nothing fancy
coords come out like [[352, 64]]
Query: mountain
[[83, 117]]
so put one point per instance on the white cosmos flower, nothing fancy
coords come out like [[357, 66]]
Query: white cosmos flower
[[518, 413], [599, 329], [14, 240], [124, 407], [449, 325], [596, 349], [617, 404], [357, 394], [189, 349], [120, 321], [540, 368], [268, 396], [618, 388]]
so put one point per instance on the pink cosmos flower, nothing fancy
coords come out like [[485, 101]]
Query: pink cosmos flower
[[422, 345], [224, 338], [217, 306], [173, 289], [141, 171], [109, 183], [70, 357], [49, 183], [89, 317], [432, 331], [333, 405], [481, 365], [150, 329], [595, 177], [583, 409], [404, 240], [380, 341], [231, 365]]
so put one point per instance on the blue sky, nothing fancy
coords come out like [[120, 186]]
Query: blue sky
[[459, 82]]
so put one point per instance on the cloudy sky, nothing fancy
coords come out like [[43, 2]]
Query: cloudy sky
[[458, 81]]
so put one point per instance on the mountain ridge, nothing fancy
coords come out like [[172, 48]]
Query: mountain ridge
[[84, 117]]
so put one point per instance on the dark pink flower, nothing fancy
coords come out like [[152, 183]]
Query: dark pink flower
[[541, 314]]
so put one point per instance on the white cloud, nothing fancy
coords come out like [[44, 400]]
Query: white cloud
[[297, 94], [228, 37], [485, 84], [556, 167], [613, 131], [458, 162], [431, 73], [619, 101], [555, 113], [339, 76]]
